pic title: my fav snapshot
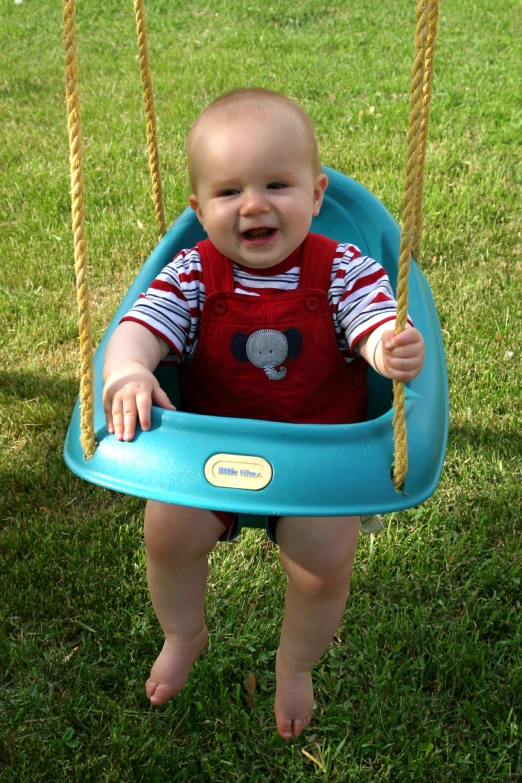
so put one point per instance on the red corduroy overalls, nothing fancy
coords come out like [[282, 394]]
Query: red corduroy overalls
[[273, 356]]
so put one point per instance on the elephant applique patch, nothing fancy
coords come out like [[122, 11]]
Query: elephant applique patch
[[268, 349]]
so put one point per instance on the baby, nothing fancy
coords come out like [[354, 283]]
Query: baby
[[256, 184]]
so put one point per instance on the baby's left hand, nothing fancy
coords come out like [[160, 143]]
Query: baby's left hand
[[403, 354]]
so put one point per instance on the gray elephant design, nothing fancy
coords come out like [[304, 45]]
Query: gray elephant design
[[268, 349]]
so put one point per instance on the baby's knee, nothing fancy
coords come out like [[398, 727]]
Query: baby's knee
[[176, 532], [325, 570], [321, 579], [161, 529], [324, 582]]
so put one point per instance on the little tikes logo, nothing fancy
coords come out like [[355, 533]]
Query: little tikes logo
[[238, 471]]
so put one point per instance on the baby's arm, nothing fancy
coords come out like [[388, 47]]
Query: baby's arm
[[398, 356], [133, 353]]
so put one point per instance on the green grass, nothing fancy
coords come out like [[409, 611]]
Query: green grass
[[423, 681]]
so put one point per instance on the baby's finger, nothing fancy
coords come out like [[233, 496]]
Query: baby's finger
[[402, 375], [130, 416], [411, 351], [402, 364], [117, 420], [402, 339], [107, 409], [161, 399], [387, 337], [143, 404], [108, 418], [403, 369]]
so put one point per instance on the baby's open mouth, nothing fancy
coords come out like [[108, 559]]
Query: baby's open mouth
[[258, 233]]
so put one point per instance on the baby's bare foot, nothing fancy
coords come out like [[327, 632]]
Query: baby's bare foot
[[294, 701], [172, 667]]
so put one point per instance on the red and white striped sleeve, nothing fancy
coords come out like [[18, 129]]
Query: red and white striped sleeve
[[360, 295], [171, 308]]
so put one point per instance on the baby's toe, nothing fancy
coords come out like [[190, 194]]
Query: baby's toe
[[284, 727], [159, 693], [298, 726], [150, 688]]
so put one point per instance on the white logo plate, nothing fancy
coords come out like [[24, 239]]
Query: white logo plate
[[238, 471]]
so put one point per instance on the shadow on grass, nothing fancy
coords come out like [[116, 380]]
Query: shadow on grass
[[21, 385], [491, 438], [36, 408]]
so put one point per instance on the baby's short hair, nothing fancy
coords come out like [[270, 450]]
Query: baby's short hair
[[243, 101]]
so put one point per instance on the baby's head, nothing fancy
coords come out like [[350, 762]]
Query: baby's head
[[255, 175], [246, 105]]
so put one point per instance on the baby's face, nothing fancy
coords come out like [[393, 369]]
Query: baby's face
[[257, 189]]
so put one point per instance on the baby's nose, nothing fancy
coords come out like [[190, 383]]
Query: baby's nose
[[254, 202]]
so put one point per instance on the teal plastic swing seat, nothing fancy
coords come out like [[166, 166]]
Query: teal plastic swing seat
[[272, 468]]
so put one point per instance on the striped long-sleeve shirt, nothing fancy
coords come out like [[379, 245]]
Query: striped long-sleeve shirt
[[360, 297]]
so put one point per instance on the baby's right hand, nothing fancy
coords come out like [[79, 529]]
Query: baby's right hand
[[128, 395]]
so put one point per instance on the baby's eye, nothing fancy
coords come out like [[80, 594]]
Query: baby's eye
[[276, 185], [227, 192]]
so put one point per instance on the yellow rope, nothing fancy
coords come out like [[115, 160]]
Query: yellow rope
[[150, 116], [411, 195], [87, 437], [426, 101]]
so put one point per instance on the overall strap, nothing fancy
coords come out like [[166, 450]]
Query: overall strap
[[218, 273], [316, 262]]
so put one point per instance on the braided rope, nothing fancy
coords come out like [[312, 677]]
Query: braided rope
[[150, 116], [426, 102], [408, 231], [87, 437]]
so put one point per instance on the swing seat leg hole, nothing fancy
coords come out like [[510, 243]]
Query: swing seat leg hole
[[398, 488]]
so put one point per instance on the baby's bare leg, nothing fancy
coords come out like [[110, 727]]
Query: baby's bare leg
[[177, 540], [317, 554]]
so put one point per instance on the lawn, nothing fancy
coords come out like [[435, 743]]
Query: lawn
[[423, 682]]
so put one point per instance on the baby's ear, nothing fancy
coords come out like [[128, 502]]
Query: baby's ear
[[194, 204], [321, 183]]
